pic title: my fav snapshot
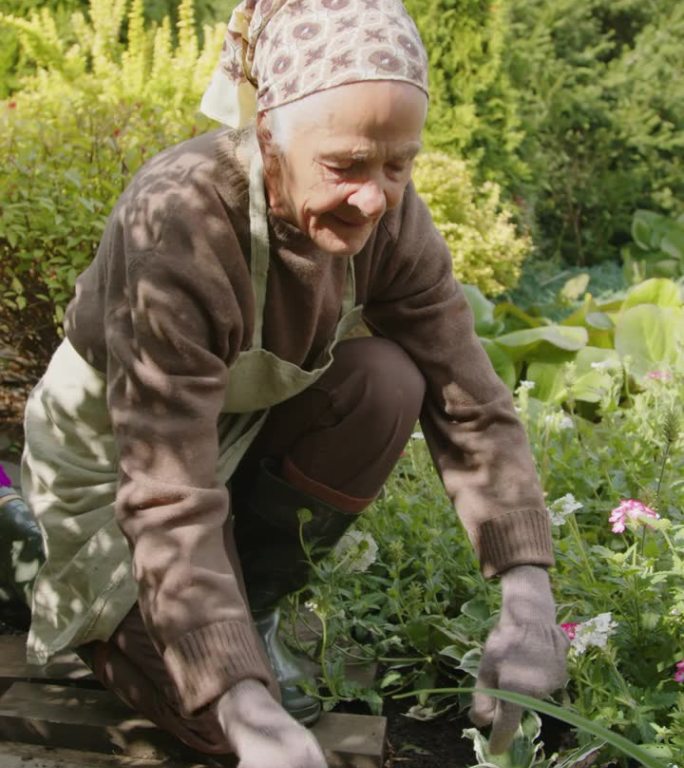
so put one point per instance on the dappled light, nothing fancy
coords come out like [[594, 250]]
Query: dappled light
[[328, 429]]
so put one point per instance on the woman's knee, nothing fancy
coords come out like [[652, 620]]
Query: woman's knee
[[386, 384]]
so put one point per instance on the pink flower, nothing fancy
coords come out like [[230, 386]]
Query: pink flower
[[629, 509], [678, 676], [658, 375], [5, 482], [570, 629]]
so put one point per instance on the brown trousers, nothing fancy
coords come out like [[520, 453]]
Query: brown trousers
[[338, 441]]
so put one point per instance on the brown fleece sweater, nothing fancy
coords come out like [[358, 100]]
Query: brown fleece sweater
[[164, 310]]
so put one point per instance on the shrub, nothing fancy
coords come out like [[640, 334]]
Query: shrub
[[473, 107], [486, 249], [14, 64], [602, 106], [70, 140], [658, 248]]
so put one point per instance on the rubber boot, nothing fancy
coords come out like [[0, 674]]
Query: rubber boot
[[21, 555], [289, 670], [274, 563]]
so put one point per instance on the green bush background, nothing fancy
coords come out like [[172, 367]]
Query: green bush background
[[551, 122]]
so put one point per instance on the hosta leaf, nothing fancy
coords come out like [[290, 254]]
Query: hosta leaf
[[522, 344], [658, 290], [650, 336]]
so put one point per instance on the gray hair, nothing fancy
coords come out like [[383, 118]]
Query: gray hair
[[283, 121]]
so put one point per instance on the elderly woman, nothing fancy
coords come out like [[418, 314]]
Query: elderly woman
[[208, 389]]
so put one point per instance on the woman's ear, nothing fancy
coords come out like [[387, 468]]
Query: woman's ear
[[270, 152], [264, 135], [272, 161]]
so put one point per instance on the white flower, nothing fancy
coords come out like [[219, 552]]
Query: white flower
[[528, 385], [356, 551], [312, 605], [562, 508], [559, 420], [606, 365], [594, 632]]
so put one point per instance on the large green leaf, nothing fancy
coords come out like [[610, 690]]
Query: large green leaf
[[575, 287], [594, 371], [536, 341], [548, 381], [502, 362], [591, 379], [658, 290], [507, 309], [646, 229], [651, 336], [483, 310], [658, 234]]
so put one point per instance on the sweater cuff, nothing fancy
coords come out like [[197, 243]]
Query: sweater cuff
[[205, 663], [522, 537]]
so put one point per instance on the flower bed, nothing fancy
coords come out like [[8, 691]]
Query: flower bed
[[615, 496]]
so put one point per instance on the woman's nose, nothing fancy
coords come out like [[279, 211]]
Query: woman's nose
[[369, 199]]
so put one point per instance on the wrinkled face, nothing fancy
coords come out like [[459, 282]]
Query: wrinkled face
[[344, 159]]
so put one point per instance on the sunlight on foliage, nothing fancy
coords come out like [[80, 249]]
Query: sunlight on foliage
[[94, 110], [486, 249]]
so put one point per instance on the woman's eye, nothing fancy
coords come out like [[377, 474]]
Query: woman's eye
[[396, 168], [337, 168]]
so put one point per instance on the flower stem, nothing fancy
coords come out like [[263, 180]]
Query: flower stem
[[574, 527]]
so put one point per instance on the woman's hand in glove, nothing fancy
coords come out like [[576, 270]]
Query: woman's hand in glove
[[261, 732], [524, 653]]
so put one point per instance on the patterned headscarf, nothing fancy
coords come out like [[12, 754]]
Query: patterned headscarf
[[277, 51]]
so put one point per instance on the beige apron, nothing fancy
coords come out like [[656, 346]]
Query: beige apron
[[69, 468]]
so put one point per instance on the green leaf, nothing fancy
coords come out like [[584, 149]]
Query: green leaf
[[673, 242], [560, 713], [575, 287], [523, 751], [507, 308], [501, 360], [521, 344], [483, 310], [580, 755], [600, 320], [658, 290], [651, 336], [548, 380], [391, 678], [476, 608], [645, 229]]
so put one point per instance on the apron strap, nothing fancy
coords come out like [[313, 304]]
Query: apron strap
[[258, 225], [349, 299]]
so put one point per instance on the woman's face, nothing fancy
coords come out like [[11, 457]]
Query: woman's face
[[346, 160]]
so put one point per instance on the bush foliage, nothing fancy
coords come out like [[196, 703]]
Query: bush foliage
[[575, 108], [71, 138], [111, 92], [601, 100], [14, 62], [473, 109], [485, 247]]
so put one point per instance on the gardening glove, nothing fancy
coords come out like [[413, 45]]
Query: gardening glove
[[524, 653], [261, 733]]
